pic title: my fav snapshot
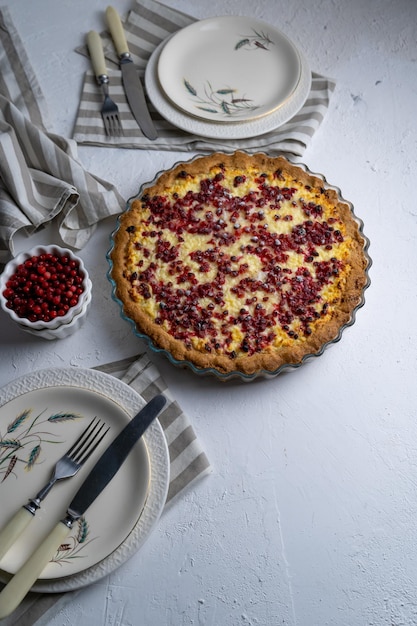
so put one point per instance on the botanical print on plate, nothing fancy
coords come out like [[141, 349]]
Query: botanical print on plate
[[222, 101], [25, 436], [49, 408], [77, 541], [225, 100], [23, 443], [255, 41]]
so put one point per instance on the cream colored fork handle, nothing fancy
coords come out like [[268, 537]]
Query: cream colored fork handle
[[116, 29], [14, 529], [95, 48], [18, 586]]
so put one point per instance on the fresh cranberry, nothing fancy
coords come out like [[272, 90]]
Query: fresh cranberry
[[190, 307], [44, 287]]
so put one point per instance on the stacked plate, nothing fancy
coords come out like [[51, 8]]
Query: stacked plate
[[50, 408], [228, 77]]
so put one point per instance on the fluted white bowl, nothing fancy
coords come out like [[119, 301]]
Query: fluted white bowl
[[58, 326]]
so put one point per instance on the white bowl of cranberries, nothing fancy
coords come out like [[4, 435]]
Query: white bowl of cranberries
[[46, 291]]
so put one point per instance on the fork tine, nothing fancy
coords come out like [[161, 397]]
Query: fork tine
[[85, 432], [118, 126], [84, 444], [112, 124], [93, 444], [120, 130], [106, 124]]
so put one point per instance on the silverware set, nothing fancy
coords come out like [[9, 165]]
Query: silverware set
[[66, 467], [131, 82], [99, 477]]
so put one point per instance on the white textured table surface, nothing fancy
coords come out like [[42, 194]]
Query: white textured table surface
[[309, 517]]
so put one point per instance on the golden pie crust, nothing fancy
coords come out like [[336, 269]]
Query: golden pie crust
[[240, 263]]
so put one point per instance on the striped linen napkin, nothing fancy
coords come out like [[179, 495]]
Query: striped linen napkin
[[146, 26], [40, 175], [188, 462]]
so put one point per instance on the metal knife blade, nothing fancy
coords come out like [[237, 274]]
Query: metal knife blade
[[111, 460], [104, 470], [131, 81]]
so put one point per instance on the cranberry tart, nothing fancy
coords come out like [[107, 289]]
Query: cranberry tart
[[239, 264]]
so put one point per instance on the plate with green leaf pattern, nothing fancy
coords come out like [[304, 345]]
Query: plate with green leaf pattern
[[229, 69], [41, 415]]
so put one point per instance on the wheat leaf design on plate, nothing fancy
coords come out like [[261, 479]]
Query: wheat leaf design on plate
[[220, 101], [72, 549], [64, 547], [242, 42], [258, 40], [190, 88], [225, 92], [63, 417], [33, 456], [10, 467], [263, 37], [13, 444], [83, 530], [18, 421], [207, 109], [225, 107]]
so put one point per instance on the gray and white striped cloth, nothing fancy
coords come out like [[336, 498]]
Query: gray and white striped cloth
[[146, 26], [188, 462], [40, 175]]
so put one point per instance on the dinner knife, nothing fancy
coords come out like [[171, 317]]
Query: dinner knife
[[106, 467], [131, 80]]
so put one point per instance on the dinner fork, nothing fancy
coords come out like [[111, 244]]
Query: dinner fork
[[109, 109], [67, 466]]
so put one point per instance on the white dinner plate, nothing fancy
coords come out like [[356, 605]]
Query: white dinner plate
[[41, 415], [229, 68], [224, 130]]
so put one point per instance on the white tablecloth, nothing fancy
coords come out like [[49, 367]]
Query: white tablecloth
[[309, 516]]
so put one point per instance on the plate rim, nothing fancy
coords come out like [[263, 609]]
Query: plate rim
[[198, 25], [157, 449]]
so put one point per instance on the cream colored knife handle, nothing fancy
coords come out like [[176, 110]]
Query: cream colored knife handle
[[95, 48], [116, 31], [14, 529], [18, 586]]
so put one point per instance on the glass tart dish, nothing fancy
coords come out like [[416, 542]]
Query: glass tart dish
[[239, 265]]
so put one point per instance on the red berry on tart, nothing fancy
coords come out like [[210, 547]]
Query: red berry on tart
[[239, 263]]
